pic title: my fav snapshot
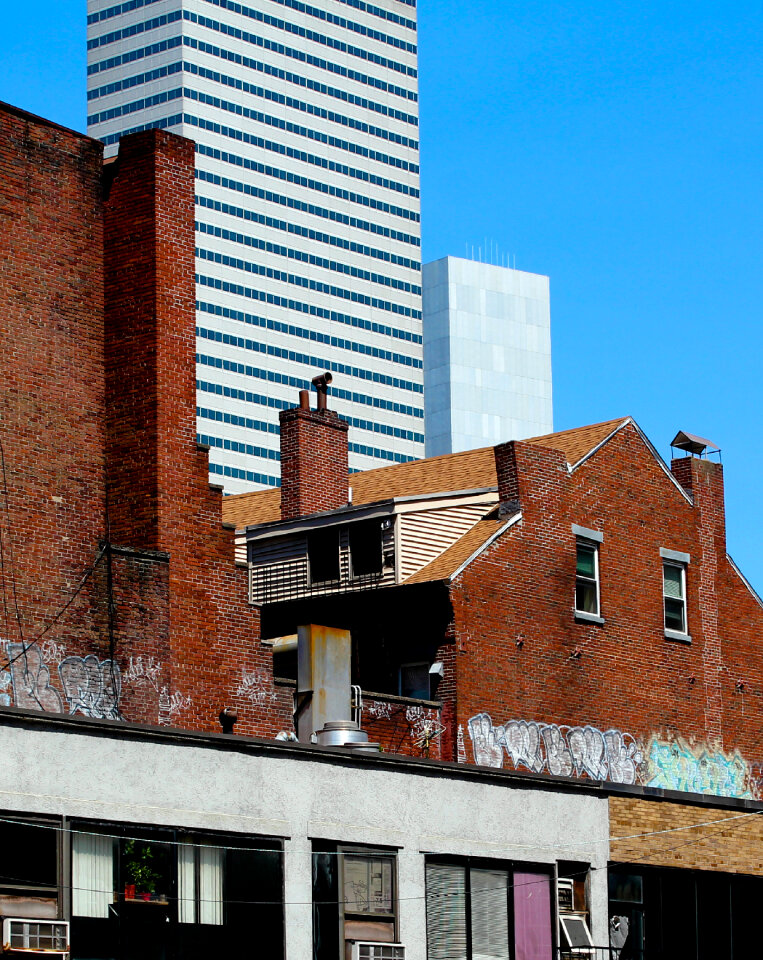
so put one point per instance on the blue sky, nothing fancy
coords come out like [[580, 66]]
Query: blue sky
[[614, 146]]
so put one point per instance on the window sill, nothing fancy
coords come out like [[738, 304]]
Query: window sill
[[584, 617], [677, 636]]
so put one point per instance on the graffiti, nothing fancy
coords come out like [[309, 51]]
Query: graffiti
[[255, 686], [676, 765], [561, 751], [460, 747], [52, 652], [5, 688], [378, 710], [170, 705], [148, 670], [30, 680], [91, 686]]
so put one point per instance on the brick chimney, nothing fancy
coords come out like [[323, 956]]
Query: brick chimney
[[313, 457], [531, 478], [703, 480]]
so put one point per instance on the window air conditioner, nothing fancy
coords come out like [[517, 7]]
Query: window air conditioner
[[366, 950], [35, 937]]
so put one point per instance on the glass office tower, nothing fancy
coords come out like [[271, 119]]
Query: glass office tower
[[305, 118]]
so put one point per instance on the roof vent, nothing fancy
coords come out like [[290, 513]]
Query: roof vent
[[693, 445]]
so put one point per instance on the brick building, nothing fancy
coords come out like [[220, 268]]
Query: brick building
[[547, 638]]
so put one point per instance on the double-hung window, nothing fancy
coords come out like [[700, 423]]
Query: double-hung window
[[674, 596], [674, 566], [587, 580]]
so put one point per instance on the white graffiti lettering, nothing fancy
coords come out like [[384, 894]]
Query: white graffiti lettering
[[559, 750], [256, 687], [92, 686], [30, 678]]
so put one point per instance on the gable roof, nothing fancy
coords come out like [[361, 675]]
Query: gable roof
[[469, 470]]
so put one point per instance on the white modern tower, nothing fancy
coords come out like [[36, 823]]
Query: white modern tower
[[487, 355], [305, 117]]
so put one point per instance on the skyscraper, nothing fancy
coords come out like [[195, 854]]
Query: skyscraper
[[487, 350], [305, 118]]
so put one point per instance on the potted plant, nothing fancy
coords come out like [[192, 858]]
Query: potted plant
[[140, 871]]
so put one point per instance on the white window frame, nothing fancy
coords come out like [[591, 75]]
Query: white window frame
[[676, 564], [593, 546]]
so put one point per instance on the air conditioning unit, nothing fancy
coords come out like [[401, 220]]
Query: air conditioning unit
[[367, 950], [35, 937]]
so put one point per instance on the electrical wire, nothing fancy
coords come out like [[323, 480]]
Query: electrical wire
[[427, 897], [86, 576]]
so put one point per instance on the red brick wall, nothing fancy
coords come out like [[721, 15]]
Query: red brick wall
[[52, 424], [162, 499], [313, 462], [93, 392], [521, 656]]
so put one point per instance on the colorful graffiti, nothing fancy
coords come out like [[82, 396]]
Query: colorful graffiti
[[676, 765], [586, 751]]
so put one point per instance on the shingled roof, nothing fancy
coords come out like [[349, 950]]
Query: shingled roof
[[470, 470]]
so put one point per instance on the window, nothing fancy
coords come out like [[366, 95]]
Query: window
[[486, 911], [366, 547], [674, 596], [354, 898], [151, 893], [414, 681], [587, 578], [29, 869], [323, 554]]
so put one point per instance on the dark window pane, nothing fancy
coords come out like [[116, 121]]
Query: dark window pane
[[414, 681], [586, 565], [673, 581], [28, 855], [325, 906], [365, 547], [585, 597], [674, 615], [323, 552], [713, 916]]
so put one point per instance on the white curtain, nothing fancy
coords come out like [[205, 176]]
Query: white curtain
[[210, 885], [92, 875], [186, 883]]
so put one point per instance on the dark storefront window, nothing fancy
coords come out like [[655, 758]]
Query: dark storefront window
[[662, 914], [168, 895], [29, 869]]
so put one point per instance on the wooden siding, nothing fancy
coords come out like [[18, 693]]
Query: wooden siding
[[279, 568], [426, 534]]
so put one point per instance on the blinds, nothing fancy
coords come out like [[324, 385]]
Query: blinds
[[210, 885], [92, 875], [446, 912], [210, 877], [186, 883], [489, 914]]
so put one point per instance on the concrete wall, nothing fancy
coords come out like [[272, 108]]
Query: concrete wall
[[487, 355], [301, 793]]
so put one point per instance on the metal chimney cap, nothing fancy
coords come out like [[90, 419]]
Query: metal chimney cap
[[692, 443]]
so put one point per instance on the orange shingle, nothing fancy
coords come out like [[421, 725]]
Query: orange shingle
[[470, 470]]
